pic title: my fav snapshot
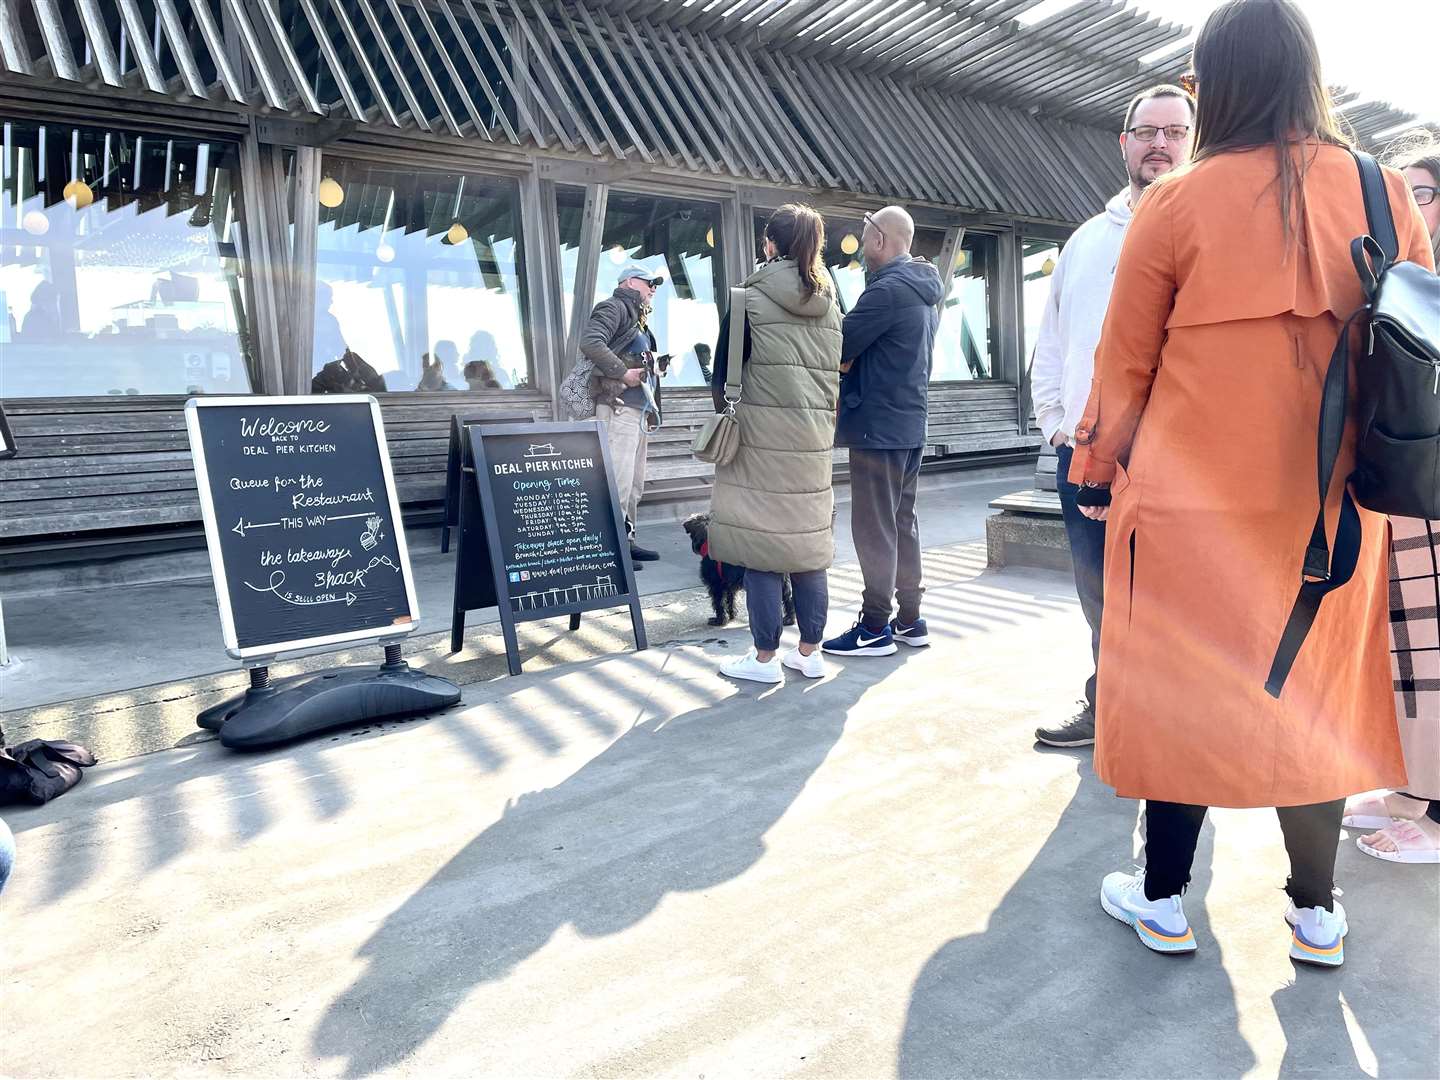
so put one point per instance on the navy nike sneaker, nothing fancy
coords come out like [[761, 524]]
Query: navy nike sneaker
[[916, 634], [861, 640]]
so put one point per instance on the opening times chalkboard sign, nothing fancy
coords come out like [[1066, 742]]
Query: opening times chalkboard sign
[[543, 523], [306, 542]]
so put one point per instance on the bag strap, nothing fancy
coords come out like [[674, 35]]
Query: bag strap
[[1378, 216], [1324, 570], [735, 355]]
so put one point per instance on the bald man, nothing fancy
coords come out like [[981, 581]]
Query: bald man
[[885, 360]]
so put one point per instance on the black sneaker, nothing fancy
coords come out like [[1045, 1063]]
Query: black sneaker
[[639, 554], [1079, 730]]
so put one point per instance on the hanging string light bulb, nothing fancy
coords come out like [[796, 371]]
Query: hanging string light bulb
[[78, 194], [331, 194]]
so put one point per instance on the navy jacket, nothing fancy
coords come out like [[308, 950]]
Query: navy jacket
[[889, 335]]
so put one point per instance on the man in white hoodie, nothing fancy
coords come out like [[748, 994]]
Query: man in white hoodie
[[1155, 139]]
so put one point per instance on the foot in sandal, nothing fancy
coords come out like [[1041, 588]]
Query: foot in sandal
[[1415, 841], [1376, 809]]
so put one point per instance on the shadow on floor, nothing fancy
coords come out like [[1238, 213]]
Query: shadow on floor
[[1054, 987], [673, 805]]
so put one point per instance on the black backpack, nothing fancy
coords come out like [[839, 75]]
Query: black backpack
[[1397, 457]]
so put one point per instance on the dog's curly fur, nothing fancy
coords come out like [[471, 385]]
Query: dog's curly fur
[[723, 580]]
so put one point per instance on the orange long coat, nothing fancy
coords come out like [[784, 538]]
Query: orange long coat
[[1203, 417]]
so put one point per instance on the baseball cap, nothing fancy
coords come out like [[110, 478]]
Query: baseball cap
[[635, 270]]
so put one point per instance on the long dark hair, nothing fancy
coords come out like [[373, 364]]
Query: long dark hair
[[799, 233], [1257, 74]]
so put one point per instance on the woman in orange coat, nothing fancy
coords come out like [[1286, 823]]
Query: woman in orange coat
[[1231, 288]]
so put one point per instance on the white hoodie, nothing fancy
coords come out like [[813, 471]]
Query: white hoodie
[[1064, 360]]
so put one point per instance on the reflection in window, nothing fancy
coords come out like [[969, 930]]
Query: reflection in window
[[965, 343], [419, 282], [119, 267], [675, 238], [1038, 263]]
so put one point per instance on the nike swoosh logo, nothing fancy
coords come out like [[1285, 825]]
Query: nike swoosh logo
[[862, 642]]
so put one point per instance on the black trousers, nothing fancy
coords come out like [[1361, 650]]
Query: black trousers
[[1312, 835]]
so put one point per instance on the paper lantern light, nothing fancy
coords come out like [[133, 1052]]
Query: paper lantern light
[[35, 223], [849, 244], [331, 194], [1047, 267], [709, 237], [457, 234], [385, 253]]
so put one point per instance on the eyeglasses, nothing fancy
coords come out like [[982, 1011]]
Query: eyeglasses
[[1424, 194], [869, 220], [1173, 132], [1188, 82]]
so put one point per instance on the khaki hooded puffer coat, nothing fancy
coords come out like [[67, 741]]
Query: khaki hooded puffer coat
[[773, 504]]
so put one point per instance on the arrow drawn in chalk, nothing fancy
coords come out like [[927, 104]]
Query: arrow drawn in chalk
[[242, 525], [277, 579]]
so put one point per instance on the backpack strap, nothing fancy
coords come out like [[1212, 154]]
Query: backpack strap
[[1327, 569], [1378, 216], [1324, 570]]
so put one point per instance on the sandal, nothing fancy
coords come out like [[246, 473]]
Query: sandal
[[1378, 809], [1413, 842]]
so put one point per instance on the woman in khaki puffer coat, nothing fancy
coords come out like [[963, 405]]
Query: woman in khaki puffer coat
[[772, 511]]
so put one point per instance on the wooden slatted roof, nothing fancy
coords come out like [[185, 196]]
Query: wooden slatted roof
[[995, 105]]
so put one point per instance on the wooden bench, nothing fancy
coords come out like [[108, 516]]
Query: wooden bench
[[965, 420], [87, 467]]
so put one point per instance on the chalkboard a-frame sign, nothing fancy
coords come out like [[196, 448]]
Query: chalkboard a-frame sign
[[307, 549], [541, 530], [302, 521]]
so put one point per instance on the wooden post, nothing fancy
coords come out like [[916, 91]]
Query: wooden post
[[305, 215], [587, 266]]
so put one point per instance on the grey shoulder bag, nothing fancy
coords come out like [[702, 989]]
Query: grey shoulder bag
[[718, 439]]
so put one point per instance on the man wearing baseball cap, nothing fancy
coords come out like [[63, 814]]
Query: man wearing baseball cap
[[622, 348]]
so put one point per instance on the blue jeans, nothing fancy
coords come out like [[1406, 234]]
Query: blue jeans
[[1087, 553], [767, 615], [7, 853]]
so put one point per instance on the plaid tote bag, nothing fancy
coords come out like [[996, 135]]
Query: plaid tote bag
[[1415, 645]]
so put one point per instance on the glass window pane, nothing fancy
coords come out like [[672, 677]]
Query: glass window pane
[[675, 238], [120, 265], [419, 282], [965, 344], [1038, 262]]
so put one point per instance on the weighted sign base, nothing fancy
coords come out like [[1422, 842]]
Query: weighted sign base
[[267, 715]]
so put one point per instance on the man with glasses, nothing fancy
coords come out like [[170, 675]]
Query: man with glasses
[[885, 364], [1155, 139]]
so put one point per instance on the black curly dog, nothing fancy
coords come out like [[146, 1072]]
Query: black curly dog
[[723, 580]]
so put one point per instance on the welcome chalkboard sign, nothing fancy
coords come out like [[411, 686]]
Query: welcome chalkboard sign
[[306, 542], [546, 529]]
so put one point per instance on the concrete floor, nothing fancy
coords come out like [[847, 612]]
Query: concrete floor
[[630, 866], [104, 634]]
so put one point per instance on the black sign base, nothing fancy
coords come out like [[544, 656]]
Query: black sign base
[[267, 715]]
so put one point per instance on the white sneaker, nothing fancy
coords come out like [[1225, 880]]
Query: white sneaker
[[812, 666], [1317, 936], [750, 667], [1160, 924]]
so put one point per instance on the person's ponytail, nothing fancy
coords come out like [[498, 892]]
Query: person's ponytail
[[798, 232]]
